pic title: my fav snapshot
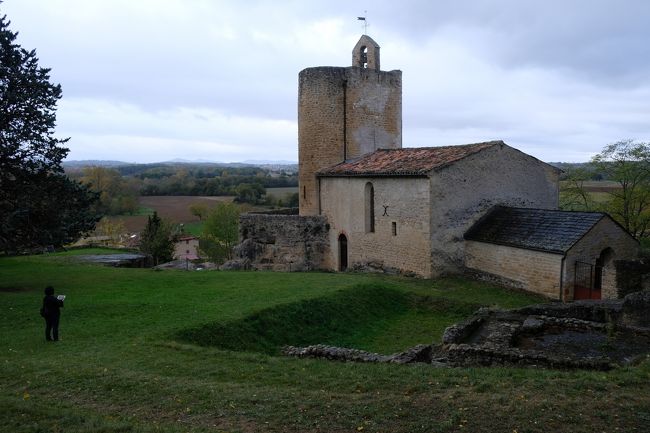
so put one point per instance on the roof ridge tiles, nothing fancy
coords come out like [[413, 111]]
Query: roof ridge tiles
[[413, 161]]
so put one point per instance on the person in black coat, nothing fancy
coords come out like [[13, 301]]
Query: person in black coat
[[51, 313]]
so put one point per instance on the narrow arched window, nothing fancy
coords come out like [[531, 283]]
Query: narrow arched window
[[370, 207], [363, 56], [343, 252]]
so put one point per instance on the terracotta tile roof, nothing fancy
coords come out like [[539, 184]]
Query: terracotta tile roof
[[553, 231], [417, 161]]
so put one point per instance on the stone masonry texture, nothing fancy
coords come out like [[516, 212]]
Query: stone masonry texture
[[605, 234], [283, 242], [536, 271], [402, 201], [343, 113], [463, 192]]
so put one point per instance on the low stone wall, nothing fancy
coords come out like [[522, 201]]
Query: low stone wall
[[632, 276], [636, 309], [419, 353], [280, 242], [602, 311], [467, 355]]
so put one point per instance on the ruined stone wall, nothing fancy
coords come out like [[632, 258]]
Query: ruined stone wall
[[605, 234], [535, 271], [464, 191], [403, 201], [343, 113], [283, 242]]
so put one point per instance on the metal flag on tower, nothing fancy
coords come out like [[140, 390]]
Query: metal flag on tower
[[365, 23]]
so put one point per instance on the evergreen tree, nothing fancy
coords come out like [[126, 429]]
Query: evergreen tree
[[39, 205], [157, 239]]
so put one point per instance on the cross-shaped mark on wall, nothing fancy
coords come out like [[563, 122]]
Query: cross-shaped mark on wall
[[385, 210]]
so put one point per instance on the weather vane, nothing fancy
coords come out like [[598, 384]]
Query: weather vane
[[365, 22]]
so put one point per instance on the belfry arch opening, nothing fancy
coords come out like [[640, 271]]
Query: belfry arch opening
[[363, 56]]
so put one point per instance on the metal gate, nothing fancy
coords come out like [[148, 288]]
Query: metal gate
[[587, 281]]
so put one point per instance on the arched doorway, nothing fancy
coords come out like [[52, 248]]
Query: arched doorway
[[589, 278], [602, 262], [343, 252]]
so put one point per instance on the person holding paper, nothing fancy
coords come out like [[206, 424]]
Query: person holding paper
[[51, 312]]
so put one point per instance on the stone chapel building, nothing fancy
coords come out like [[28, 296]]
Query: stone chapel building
[[367, 203]]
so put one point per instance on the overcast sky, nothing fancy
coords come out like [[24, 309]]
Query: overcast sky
[[154, 80]]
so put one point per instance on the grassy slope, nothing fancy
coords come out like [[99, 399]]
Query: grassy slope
[[118, 368]]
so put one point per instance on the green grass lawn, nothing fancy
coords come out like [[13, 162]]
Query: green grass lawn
[[128, 360], [194, 228]]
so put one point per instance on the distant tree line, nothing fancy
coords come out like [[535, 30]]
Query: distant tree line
[[119, 187], [586, 169]]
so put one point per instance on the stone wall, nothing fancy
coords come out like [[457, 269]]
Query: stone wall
[[632, 276], [419, 353], [283, 242], [343, 113], [464, 191], [535, 271], [373, 111], [402, 201], [605, 234]]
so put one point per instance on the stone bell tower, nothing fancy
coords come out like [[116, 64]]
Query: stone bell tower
[[366, 54], [344, 113]]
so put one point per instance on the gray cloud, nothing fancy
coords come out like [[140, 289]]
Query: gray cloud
[[150, 80]]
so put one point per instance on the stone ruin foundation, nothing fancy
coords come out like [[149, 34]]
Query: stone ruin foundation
[[595, 335], [281, 241]]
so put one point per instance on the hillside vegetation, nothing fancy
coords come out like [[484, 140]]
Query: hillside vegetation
[[128, 360], [359, 317]]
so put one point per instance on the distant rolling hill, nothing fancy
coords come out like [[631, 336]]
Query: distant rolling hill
[[77, 164]]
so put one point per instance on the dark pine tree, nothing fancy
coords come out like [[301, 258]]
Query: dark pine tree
[[39, 205], [157, 240]]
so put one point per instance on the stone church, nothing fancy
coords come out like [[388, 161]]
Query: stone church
[[367, 203]]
